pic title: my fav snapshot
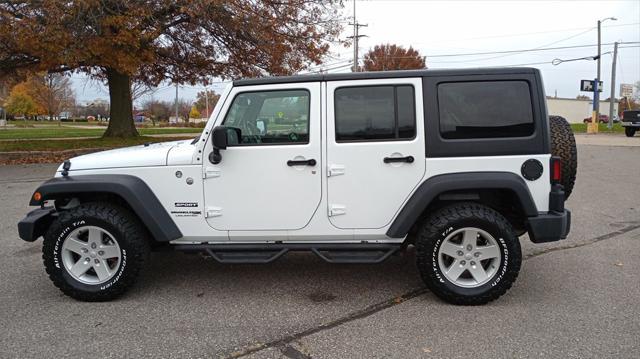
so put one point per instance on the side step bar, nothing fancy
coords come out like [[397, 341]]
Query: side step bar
[[266, 253]]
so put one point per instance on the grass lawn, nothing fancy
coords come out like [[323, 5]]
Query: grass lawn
[[602, 127], [59, 145], [63, 131]]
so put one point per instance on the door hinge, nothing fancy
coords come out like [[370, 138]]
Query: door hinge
[[213, 212], [337, 210], [335, 170], [211, 173]]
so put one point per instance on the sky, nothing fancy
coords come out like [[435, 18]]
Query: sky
[[437, 28]]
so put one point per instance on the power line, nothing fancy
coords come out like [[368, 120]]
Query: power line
[[533, 33], [526, 50]]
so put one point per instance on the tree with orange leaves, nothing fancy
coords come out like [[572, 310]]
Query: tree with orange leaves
[[21, 103], [392, 57], [148, 41]]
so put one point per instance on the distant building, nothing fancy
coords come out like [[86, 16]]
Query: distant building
[[576, 110]]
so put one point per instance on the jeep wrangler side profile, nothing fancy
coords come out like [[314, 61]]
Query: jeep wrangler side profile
[[352, 167]]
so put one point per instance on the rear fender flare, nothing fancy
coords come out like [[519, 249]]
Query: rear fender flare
[[434, 186]]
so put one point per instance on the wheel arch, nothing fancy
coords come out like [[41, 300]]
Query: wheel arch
[[471, 186], [127, 189]]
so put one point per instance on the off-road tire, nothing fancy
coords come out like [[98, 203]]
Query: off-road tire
[[563, 145], [118, 221], [434, 229], [629, 131]]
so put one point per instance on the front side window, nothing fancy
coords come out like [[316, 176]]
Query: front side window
[[485, 109], [374, 113], [269, 117]]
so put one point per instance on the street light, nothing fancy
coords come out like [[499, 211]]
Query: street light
[[596, 95]]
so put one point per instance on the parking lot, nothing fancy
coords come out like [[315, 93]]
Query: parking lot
[[578, 298]]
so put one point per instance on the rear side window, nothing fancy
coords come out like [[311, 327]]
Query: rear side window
[[375, 113], [485, 109]]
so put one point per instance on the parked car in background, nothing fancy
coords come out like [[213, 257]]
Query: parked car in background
[[602, 119], [631, 122]]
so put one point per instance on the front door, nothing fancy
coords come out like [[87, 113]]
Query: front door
[[269, 176], [375, 149]]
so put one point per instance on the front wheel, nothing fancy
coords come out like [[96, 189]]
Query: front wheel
[[94, 251], [468, 254], [629, 131]]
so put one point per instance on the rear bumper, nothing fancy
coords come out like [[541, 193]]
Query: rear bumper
[[630, 124], [550, 227], [35, 223]]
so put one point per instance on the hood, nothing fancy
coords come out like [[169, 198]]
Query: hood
[[154, 154]]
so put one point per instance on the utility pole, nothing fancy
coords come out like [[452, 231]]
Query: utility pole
[[356, 36], [176, 102], [613, 85], [206, 100], [596, 85], [596, 96]]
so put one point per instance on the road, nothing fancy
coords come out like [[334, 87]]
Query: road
[[578, 298]]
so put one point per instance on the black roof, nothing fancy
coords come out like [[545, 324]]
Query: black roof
[[383, 75]]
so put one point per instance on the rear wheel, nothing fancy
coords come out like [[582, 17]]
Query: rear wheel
[[563, 145], [94, 251], [468, 254], [629, 131]]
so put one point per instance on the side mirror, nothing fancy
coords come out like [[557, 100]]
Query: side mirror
[[219, 138]]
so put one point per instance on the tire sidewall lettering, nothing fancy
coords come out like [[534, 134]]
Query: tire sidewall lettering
[[57, 254], [498, 277]]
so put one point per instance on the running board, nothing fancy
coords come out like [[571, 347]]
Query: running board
[[265, 253]]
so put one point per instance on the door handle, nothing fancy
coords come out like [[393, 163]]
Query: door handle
[[408, 159], [310, 162]]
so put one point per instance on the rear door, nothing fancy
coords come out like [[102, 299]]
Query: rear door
[[375, 149]]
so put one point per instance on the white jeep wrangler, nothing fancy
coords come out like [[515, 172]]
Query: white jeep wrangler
[[352, 167]]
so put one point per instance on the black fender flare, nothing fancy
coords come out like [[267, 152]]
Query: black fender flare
[[134, 191], [434, 186]]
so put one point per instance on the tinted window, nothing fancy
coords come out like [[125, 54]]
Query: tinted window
[[485, 109], [270, 117], [375, 113]]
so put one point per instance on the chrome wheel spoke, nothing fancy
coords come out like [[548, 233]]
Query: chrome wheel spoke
[[455, 270], [488, 252], [102, 270], [478, 273], [80, 268], [451, 249], [470, 238], [95, 236], [75, 245], [111, 251]]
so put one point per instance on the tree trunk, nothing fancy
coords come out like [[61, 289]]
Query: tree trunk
[[121, 112]]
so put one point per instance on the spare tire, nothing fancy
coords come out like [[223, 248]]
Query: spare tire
[[563, 145]]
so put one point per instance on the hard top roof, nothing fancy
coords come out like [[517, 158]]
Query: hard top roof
[[383, 75]]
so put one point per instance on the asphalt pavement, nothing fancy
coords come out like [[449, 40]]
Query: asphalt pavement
[[577, 298]]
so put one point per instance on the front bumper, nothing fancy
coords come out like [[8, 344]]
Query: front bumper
[[549, 227], [35, 223]]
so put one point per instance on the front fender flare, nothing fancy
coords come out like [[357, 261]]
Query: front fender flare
[[134, 191], [436, 185]]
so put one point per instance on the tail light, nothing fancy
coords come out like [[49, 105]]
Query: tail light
[[556, 170]]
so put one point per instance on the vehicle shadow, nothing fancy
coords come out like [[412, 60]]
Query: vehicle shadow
[[299, 276]]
